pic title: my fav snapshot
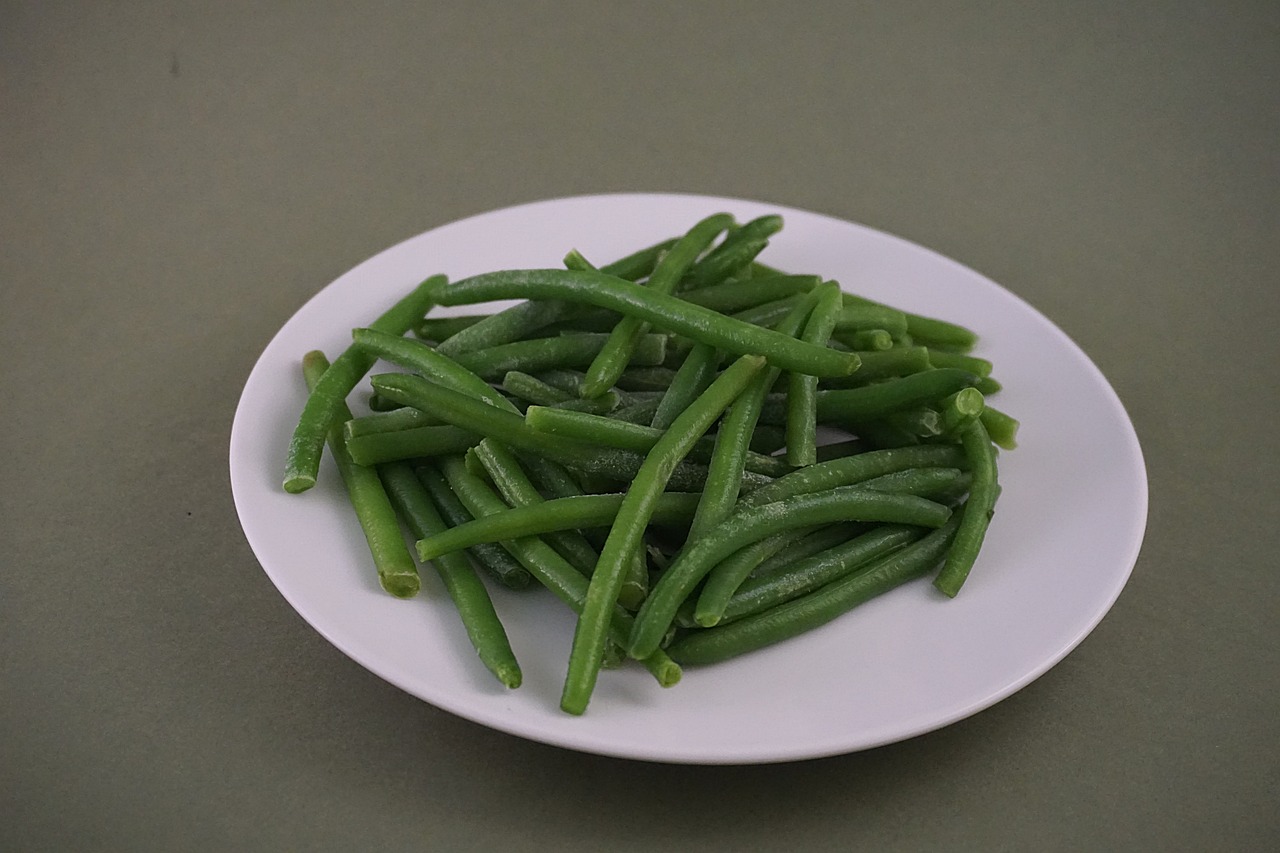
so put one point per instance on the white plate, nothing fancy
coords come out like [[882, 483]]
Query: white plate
[[1066, 536]]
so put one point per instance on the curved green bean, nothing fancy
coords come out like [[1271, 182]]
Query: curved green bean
[[396, 570], [420, 358], [327, 399], [626, 535], [975, 514], [817, 608], [616, 354], [669, 313], [469, 595], [752, 523]]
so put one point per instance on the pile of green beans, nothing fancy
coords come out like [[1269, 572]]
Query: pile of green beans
[[699, 454]]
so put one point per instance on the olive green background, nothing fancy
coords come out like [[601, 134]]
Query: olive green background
[[176, 179]]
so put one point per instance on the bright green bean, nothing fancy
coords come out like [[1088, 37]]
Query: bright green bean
[[975, 515], [327, 400], [859, 405], [490, 556], [465, 589], [851, 470], [420, 358], [401, 417], [815, 609], [884, 364], [626, 535], [691, 379], [668, 313], [971, 363], [738, 250], [616, 354], [413, 443], [396, 570], [752, 523]]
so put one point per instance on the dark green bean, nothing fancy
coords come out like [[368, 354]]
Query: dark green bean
[[802, 576], [817, 608], [859, 405], [884, 364], [738, 250], [975, 514], [465, 589], [626, 534], [616, 354], [851, 470], [490, 556], [396, 570], [412, 443], [539, 393], [548, 567], [691, 379], [420, 358], [802, 396], [537, 354], [439, 329], [735, 296], [668, 313], [327, 400], [752, 523], [814, 540]]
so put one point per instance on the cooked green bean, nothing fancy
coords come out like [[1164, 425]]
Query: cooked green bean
[[548, 567], [854, 318], [803, 575], [732, 444], [396, 570], [960, 409], [626, 535], [646, 379], [928, 331], [490, 556], [401, 417], [440, 329], [468, 593], [669, 313], [380, 404], [616, 354], [884, 364], [1002, 428], [539, 393], [752, 523], [734, 296], [634, 266], [975, 514], [868, 340], [624, 435], [858, 405], [691, 379], [971, 363], [817, 608], [802, 388], [851, 470], [640, 413], [737, 251], [420, 358], [413, 443], [537, 354], [814, 540], [327, 400]]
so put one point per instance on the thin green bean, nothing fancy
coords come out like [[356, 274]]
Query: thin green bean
[[327, 400], [691, 379], [735, 296], [396, 570], [1002, 428], [851, 470], [802, 397], [859, 405], [490, 556], [975, 515], [420, 358], [537, 354], [412, 443], [626, 535]]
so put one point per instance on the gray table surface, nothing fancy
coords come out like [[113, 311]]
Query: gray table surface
[[176, 179]]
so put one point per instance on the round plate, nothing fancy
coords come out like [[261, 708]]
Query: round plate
[[1066, 536]]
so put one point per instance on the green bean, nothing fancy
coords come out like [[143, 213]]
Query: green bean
[[918, 421], [626, 535], [612, 432], [548, 567], [854, 318], [816, 608], [536, 354], [803, 575], [851, 470], [768, 314], [518, 490], [738, 250], [973, 364], [413, 443], [647, 379], [840, 449], [553, 477], [858, 405], [802, 397], [440, 329], [327, 400], [465, 589], [987, 385], [401, 417], [732, 444], [490, 556], [380, 404], [975, 515], [420, 358], [926, 330], [926, 482], [868, 340], [640, 413], [396, 570], [535, 391], [616, 354], [668, 313], [691, 379], [633, 267], [1002, 428], [752, 523], [884, 364], [766, 439], [515, 323], [736, 296], [960, 409], [813, 540]]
